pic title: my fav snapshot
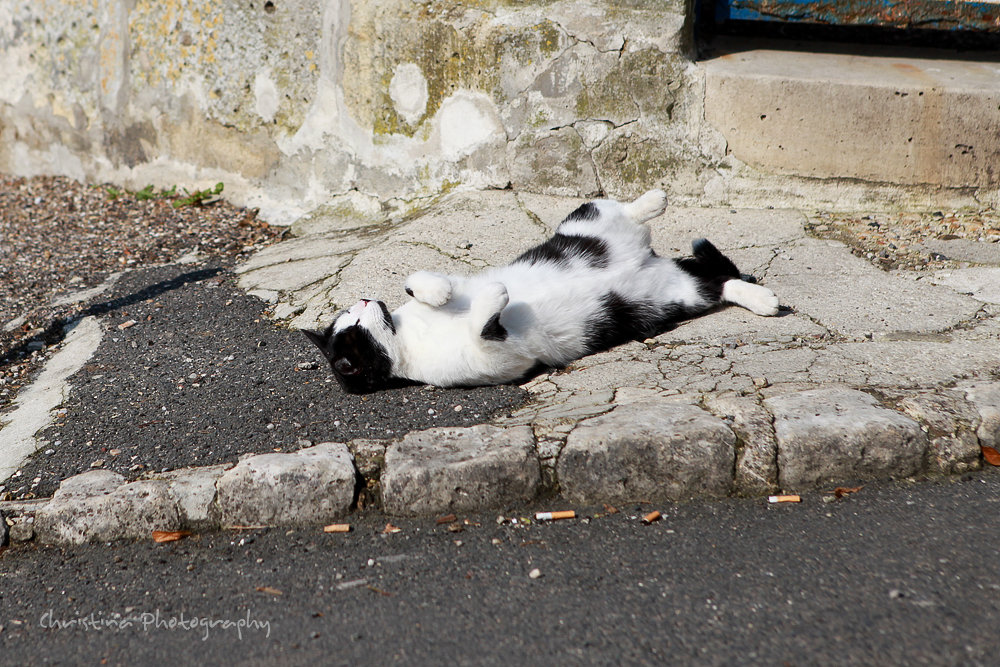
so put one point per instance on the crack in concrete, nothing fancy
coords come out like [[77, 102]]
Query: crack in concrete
[[430, 246], [532, 216]]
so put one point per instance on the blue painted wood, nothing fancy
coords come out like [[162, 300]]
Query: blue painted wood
[[932, 14]]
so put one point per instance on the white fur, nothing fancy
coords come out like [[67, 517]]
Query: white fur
[[755, 298]]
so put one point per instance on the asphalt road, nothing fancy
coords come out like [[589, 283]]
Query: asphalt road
[[203, 376], [896, 574]]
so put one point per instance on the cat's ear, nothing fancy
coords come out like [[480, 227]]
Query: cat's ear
[[321, 340]]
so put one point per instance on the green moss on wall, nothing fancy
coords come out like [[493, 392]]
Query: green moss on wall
[[449, 59]]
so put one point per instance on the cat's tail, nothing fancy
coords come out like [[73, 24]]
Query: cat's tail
[[713, 262]]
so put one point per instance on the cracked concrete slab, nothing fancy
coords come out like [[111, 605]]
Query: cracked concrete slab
[[982, 283], [757, 450], [846, 294]]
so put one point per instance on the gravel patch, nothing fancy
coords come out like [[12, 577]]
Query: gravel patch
[[908, 240], [59, 237]]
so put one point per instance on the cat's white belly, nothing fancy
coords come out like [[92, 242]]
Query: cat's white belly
[[438, 348]]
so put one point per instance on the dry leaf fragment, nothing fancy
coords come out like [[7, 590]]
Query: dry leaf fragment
[[611, 509], [991, 455], [160, 536], [269, 590], [842, 491], [389, 529], [456, 527], [447, 518]]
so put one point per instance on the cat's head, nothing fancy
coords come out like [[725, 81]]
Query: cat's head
[[360, 345]]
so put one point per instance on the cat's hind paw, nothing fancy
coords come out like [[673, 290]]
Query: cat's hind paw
[[432, 289], [755, 298]]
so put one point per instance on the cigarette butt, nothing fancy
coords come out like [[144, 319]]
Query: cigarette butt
[[126, 324], [784, 499], [337, 528], [651, 517], [555, 516]]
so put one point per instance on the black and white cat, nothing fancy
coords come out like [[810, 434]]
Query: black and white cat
[[595, 284]]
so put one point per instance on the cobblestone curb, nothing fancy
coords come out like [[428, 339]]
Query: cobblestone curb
[[653, 448]]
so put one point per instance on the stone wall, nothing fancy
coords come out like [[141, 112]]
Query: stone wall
[[295, 103]]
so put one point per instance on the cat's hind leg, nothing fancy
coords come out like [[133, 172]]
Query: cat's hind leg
[[485, 309], [720, 280], [755, 298], [433, 289]]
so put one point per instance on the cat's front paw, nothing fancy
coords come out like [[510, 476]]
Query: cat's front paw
[[433, 289]]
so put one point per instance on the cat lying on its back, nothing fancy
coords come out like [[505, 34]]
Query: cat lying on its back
[[596, 283]]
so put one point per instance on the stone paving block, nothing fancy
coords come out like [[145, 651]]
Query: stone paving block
[[194, 491], [310, 486], [951, 429], [657, 449], [97, 506], [459, 469], [837, 434], [985, 396], [756, 461]]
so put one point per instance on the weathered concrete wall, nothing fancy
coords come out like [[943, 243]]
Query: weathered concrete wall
[[293, 102], [363, 106]]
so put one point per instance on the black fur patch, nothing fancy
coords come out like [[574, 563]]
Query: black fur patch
[[387, 317], [620, 320], [360, 364], [588, 211], [710, 267], [493, 330], [562, 248]]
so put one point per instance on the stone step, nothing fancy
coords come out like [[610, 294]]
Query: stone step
[[885, 119]]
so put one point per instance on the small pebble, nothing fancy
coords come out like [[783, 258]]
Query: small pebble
[[535, 574]]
